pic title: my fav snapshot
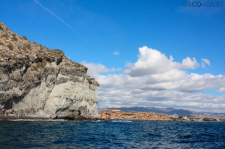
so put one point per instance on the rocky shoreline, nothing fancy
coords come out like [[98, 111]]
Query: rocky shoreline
[[150, 116], [107, 116], [134, 116], [77, 118]]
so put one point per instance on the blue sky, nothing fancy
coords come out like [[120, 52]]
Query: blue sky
[[106, 36]]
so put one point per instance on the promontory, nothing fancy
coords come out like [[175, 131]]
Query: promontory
[[38, 82]]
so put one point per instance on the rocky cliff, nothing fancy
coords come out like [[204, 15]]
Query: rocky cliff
[[37, 82], [134, 116]]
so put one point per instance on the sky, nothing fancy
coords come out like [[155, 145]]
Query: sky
[[143, 53]]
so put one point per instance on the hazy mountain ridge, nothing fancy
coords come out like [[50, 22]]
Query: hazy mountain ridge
[[169, 111]]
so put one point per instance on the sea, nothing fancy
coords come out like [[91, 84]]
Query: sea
[[114, 134]]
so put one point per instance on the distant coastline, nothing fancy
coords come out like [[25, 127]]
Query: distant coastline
[[120, 115], [175, 113]]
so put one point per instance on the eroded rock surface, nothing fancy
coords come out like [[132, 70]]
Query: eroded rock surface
[[134, 116], [37, 82]]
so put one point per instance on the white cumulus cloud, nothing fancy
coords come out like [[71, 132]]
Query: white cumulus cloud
[[155, 80], [151, 61], [189, 64]]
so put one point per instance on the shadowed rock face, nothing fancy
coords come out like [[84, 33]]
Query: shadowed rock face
[[37, 82]]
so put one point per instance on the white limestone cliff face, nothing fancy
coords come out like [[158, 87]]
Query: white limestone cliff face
[[37, 82]]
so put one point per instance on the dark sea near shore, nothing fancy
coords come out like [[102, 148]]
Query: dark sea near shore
[[115, 134]]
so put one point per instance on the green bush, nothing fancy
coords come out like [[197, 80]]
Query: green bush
[[41, 64], [10, 46], [14, 58], [35, 68], [1, 43]]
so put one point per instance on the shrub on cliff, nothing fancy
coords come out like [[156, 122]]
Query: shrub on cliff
[[24, 47], [14, 58], [35, 68], [41, 47], [41, 64], [5, 35], [10, 46], [1, 43], [14, 39], [29, 46], [25, 37]]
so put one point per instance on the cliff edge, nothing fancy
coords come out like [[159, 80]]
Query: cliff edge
[[38, 82]]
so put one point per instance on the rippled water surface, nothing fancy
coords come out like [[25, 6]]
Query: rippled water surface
[[115, 134]]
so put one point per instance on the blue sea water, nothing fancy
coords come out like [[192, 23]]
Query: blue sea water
[[115, 134]]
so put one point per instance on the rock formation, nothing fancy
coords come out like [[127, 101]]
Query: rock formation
[[134, 116], [37, 82]]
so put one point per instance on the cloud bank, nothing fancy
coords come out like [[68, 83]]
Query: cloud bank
[[155, 80]]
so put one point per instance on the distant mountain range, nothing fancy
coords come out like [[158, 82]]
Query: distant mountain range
[[169, 111]]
